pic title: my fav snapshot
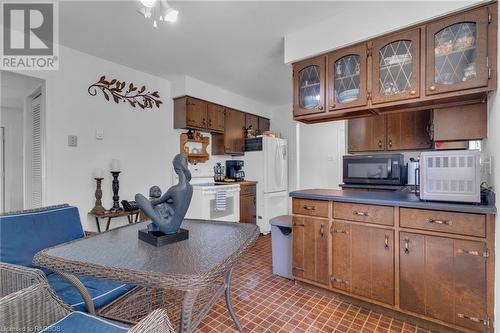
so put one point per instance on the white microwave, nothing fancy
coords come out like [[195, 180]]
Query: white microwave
[[452, 175]]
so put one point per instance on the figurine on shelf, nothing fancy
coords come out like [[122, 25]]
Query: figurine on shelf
[[167, 211]]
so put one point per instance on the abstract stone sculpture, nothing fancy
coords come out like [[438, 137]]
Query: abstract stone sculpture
[[167, 211]]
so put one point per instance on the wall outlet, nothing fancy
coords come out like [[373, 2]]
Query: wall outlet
[[99, 134], [72, 141]]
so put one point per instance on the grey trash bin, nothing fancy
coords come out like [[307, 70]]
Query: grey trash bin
[[281, 238]]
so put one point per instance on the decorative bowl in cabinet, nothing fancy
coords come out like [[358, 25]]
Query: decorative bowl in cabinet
[[349, 95]]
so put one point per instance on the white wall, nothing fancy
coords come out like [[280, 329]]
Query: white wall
[[354, 21]]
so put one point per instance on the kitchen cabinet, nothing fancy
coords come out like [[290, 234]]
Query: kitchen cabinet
[[347, 78], [396, 67], [248, 202], [458, 123], [444, 62], [264, 124], [409, 130], [216, 118], [251, 120], [310, 249], [457, 52], [366, 134], [444, 278], [309, 86], [190, 113], [394, 131], [232, 142]]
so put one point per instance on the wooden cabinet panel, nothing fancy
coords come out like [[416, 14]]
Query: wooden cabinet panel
[[251, 120], [264, 124], [468, 122], [309, 86], [311, 207], [449, 222], [372, 253], [443, 278], [347, 78], [366, 134], [234, 133], [216, 117], [364, 213], [196, 115], [341, 256], [310, 249], [248, 209], [456, 52], [396, 67], [408, 130]]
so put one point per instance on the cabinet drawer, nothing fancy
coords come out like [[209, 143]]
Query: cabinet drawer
[[455, 223], [363, 213], [248, 189], [310, 207]]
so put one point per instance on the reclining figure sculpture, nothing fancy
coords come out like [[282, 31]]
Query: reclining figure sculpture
[[167, 211]]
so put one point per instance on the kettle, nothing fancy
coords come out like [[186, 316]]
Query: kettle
[[413, 169]]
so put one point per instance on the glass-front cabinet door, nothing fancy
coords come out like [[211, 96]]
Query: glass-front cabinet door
[[347, 78], [309, 86], [456, 53], [396, 67]]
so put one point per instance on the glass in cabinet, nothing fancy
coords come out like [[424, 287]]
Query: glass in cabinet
[[457, 52], [309, 86], [347, 78], [396, 67]]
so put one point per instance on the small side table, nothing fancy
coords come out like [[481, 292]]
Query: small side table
[[132, 216]]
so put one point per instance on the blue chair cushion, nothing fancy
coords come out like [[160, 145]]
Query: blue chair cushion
[[78, 322], [23, 235], [101, 291]]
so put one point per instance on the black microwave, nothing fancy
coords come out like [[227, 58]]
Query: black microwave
[[387, 169]]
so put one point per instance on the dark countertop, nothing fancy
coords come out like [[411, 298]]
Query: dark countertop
[[241, 183], [397, 198], [377, 187]]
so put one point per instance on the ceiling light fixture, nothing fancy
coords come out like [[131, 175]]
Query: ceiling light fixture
[[158, 10]]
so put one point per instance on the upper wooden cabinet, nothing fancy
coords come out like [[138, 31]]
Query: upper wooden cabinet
[[347, 78], [215, 117], [251, 120], [457, 52], [264, 124], [190, 112], [409, 130], [234, 133], [309, 86], [447, 61], [396, 67], [366, 134]]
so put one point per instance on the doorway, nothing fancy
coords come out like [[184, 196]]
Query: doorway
[[22, 123]]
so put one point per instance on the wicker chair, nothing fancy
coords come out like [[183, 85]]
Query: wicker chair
[[38, 309]]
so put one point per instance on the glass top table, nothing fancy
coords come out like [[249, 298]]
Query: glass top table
[[203, 261]]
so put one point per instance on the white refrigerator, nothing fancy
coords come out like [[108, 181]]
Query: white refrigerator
[[269, 167]]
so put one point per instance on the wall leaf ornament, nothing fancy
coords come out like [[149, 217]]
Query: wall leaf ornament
[[117, 91]]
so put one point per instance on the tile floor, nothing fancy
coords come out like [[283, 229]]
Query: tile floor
[[268, 303]]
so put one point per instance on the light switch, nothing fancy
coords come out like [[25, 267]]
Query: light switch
[[99, 134], [72, 141]]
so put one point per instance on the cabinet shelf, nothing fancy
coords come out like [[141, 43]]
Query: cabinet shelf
[[400, 64], [347, 77], [465, 49], [310, 85]]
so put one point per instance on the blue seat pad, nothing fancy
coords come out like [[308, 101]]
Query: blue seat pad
[[79, 322], [102, 291]]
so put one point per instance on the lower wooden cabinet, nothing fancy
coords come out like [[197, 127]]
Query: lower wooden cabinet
[[444, 278], [310, 249], [248, 203], [363, 261]]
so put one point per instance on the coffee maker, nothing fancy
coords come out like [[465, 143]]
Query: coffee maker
[[234, 170]]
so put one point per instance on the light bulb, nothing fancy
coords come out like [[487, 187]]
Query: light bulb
[[171, 15], [148, 3]]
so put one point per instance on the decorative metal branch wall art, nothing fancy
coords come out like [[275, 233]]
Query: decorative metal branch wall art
[[119, 91]]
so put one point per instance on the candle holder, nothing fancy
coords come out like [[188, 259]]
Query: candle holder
[[98, 208], [116, 186]]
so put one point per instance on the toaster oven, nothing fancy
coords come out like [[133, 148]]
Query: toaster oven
[[450, 176]]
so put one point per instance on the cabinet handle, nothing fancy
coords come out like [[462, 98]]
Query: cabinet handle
[[332, 106], [309, 207], [485, 322], [386, 242], [337, 231], [473, 253], [334, 279], [300, 269], [254, 200], [355, 212], [297, 224], [390, 143], [434, 221], [320, 107], [432, 88], [407, 246], [380, 143], [413, 92], [322, 230]]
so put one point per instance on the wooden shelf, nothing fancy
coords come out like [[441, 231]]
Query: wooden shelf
[[195, 157]]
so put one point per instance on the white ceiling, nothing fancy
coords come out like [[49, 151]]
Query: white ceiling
[[233, 44]]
